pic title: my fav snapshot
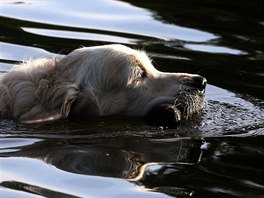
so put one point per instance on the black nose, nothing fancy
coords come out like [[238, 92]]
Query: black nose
[[199, 82]]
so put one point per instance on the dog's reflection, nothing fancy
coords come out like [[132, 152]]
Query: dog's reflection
[[128, 158]]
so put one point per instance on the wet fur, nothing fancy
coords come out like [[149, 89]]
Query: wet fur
[[103, 80]]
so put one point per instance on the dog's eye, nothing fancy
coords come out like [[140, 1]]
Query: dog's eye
[[143, 74], [139, 73]]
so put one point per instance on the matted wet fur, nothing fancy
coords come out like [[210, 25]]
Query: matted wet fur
[[103, 80]]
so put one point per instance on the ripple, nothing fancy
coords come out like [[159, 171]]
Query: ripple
[[80, 35], [214, 49], [112, 16]]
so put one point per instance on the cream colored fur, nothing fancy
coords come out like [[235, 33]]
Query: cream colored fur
[[102, 80]]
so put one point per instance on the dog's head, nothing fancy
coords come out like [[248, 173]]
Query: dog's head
[[117, 80], [103, 80]]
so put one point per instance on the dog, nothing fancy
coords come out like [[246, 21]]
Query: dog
[[98, 81]]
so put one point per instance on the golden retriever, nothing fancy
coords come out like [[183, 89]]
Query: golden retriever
[[102, 80]]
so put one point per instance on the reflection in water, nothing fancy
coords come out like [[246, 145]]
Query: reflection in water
[[183, 172], [52, 182], [118, 157], [220, 40]]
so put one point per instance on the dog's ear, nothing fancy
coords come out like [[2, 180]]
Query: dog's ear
[[53, 107], [40, 115]]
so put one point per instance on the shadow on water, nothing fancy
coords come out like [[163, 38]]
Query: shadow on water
[[218, 153]]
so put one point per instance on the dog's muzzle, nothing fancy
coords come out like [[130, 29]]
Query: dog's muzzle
[[163, 115], [199, 83], [186, 104]]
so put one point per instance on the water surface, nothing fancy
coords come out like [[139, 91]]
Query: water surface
[[218, 153]]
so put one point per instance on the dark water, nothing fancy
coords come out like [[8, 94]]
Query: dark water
[[218, 153]]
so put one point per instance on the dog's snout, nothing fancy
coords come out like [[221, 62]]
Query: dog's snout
[[199, 82]]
